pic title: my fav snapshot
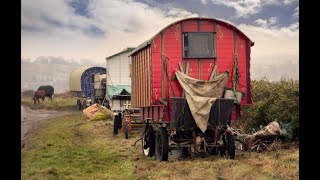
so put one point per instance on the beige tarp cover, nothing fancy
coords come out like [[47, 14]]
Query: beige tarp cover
[[201, 95], [97, 112]]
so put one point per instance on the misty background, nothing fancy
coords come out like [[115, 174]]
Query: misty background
[[55, 71], [50, 70]]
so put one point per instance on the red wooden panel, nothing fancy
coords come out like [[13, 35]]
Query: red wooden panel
[[225, 50], [241, 48], [193, 68], [173, 51], [206, 26], [156, 68], [207, 67], [190, 26]]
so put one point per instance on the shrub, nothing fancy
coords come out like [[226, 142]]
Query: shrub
[[273, 101]]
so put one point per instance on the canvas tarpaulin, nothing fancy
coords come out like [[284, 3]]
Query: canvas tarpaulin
[[97, 112], [201, 95]]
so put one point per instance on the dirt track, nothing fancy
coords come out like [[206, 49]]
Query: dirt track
[[32, 118]]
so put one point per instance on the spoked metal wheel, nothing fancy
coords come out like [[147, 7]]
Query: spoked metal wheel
[[126, 130], [79, 105], [148, 142], [162, 146], [84, 104], [229, 145], [115, 125]]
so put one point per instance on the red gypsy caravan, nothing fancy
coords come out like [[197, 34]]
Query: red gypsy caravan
[[190, 81]]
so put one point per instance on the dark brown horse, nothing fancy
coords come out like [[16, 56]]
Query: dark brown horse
[[37, 95]]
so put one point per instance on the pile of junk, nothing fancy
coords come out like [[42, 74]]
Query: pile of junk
[[268, 137]]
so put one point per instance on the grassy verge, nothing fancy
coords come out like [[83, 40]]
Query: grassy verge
[[58, 103], [70, 148], [65, 148]]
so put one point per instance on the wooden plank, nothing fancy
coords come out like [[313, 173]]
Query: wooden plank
[[148, 77], [150, 74], [144, 77], [138, 81], [142, 82], [162, 66], [140, 69], [182, 70], [187, 68], [181, 67], [248, 72], [133, 82]]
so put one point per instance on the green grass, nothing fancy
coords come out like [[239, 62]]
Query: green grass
[[64, 148], [58, 103], [69, 147]]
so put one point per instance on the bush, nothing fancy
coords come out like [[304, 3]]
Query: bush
[[273, 101]]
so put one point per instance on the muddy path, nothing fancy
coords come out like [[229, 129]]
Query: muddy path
[[30, 119]]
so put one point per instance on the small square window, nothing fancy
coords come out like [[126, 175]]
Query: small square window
[[198, 45]]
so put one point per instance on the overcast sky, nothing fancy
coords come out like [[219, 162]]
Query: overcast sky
[[95, 29]]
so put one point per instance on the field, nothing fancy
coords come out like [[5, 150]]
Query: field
[[62, 101], [69, 147]]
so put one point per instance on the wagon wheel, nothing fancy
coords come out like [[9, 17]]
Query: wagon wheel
[[162, 145], [126, 131], [79, 105], [229, 145], [84, 104], [115, 125], [148, 142], [214, 150]]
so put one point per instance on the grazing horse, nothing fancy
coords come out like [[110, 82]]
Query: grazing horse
[[37, 95], [49, 91]]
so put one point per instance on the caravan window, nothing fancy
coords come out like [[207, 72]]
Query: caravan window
[[198, 45]]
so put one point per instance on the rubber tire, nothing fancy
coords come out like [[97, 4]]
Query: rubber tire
[[151, 134], [115, 125], [79, 105], [126, 131], [214, 151], [231, 147], [119, 120], [162, 145], [84, 104]]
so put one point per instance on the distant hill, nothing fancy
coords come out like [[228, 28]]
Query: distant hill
[[54, 71]]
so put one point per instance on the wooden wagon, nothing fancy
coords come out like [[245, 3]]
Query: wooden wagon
[[200, 49], [88, 84]]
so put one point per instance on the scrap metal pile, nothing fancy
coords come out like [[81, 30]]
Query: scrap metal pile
[[267, 138]]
